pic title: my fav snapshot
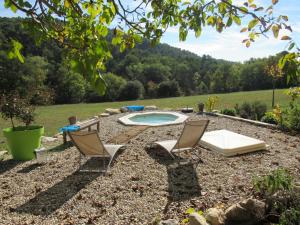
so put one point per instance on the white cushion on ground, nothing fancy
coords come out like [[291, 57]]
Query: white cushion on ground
[[229, 143]]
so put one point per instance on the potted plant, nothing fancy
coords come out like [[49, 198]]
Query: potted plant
[[201, 107], [22, 140]]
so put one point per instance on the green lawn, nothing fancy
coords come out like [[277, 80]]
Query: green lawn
[[54, 117]]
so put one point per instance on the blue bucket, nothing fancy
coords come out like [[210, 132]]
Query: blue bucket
[[135, 107], [69, 128]]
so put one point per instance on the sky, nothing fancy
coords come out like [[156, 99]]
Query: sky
[[228, 44]]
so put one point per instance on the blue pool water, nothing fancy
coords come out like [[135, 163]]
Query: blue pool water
[[153, 118]]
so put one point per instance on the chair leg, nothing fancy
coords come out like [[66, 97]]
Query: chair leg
[[171, 154]]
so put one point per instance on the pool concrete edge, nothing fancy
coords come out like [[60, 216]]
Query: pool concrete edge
[[126, 119]]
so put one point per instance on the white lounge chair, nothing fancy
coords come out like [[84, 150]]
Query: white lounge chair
[[89, 145], [190, 137]]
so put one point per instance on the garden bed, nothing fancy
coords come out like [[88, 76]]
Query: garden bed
[[144, 183]]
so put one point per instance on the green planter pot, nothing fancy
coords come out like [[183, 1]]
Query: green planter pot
[[22, 141]]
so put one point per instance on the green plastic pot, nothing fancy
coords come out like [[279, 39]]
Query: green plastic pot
[[22, 141]]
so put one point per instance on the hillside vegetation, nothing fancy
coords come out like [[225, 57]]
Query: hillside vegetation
[[140, 73]]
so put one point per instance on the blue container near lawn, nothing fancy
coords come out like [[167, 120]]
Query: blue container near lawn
[[69, 128], [135, 107]]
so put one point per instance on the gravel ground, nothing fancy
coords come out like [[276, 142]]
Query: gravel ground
[[143, 183]]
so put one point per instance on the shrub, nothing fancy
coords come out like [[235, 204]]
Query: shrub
[[281, 198], [114, 85], [151, 89], [168, 89], [277, 180], [294, 118], [269, 117], [132, 90], [254, 111], [211, 103], [42, 96], [237, 109], [230, 112], [245, 110], [71, 86], [259, 109]]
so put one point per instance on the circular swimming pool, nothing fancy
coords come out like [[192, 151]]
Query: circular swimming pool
[[153, 118]]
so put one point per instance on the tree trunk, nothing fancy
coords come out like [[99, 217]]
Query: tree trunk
[[273, 95]]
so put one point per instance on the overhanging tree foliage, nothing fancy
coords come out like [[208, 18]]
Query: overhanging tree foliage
[[82, 26]]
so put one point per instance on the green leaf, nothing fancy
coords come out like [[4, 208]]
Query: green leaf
[[259, 9], [198, 32], [200, 212], [275, 30], [243, 9], [15, 51], [182, 34], [292, 45], [190, 210], [7, 4], [67, 3], [248, 44], [186, 220], [13, 8], [229, 22], [100, 85], [27, 4], [252, 23], [237, 20]]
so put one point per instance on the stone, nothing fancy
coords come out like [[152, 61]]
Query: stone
[[112, 111], [248, 212], [196, 219], [215, 216], [169, 222], [124, 109], [104, 115], [150, 107], [48, 139]]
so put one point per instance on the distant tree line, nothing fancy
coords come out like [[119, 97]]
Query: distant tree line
[[142, 72]]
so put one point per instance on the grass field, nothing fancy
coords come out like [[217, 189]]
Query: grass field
[[55, 116]]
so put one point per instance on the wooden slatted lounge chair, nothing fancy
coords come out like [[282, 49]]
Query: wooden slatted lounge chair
[[190, 136], [89, 145]]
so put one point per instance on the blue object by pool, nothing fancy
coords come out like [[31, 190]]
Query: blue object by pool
[[135, 107], [154, 118], [69, 128]]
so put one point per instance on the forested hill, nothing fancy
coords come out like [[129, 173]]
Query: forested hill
[[142, 72]]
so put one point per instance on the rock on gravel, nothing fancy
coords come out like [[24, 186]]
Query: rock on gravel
[[104, 114], [196, 219], [215, 216], [248, 212], [169, 222], [151, 107], [113, 111], [48, 139]]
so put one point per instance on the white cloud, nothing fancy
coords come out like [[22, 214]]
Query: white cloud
[[228, 45]]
